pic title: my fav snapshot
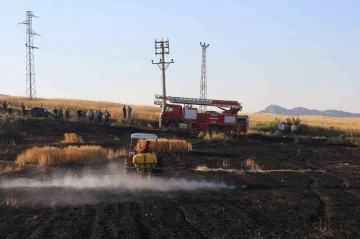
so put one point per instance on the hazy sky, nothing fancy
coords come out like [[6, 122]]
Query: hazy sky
[[291, 53]]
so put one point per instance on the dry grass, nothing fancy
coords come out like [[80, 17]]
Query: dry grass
[[11, 201], [9, 142], [7, 167], [340, 140], [51, 156], [206, 169], [122, 152], [139, 111], [248, 165], [332, 123], [169, 145], [252, 165], [72, 138]]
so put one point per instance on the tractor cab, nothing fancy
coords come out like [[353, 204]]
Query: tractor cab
[[143, 161]]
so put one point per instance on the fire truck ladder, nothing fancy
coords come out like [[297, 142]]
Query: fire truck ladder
[[196, 101]]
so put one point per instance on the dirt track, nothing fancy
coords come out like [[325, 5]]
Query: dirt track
[[301, 191]]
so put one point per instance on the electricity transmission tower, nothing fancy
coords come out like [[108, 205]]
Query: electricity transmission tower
[[30, 67], [203, 80], [162, 48]]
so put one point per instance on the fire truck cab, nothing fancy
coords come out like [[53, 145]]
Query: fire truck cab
[[186, 117]]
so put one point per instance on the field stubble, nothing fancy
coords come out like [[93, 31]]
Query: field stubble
[[291, 191]]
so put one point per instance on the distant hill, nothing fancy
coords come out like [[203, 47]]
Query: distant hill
[[298, 111]]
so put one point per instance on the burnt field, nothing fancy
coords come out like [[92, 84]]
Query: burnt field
[[241, 188]]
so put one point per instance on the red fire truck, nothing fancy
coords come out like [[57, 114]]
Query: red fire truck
[[175, 116]]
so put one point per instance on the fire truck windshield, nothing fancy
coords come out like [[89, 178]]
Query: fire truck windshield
[[167, 109]]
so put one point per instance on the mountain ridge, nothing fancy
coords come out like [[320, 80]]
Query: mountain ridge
[[302, 111]]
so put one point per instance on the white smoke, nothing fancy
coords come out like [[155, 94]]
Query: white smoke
[[109, 181]]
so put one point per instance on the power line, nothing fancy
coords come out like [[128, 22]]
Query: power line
[[162, 48], [203, 80], [30, 67], [72, 52], [251, 37]]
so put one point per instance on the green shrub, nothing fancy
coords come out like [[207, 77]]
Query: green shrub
[[267, 127]]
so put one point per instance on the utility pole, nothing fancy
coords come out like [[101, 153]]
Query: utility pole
[[162, 48], [203, 80], [30, 66]]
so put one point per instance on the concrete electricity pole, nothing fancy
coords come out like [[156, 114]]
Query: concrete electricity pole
[[30, 66], [203, 80], [162, 48]]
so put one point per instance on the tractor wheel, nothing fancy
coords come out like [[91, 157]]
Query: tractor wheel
[[158, 166]]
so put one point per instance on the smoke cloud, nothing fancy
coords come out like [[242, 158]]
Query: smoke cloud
[[113, 181], [95, 186]]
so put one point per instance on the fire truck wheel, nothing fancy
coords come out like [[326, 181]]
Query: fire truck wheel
[[226, 130], [172, 126], [214, 129]]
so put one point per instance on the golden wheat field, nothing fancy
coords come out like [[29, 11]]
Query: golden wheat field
[[50, 156], [152, 112], [115, 109], [346, 124]]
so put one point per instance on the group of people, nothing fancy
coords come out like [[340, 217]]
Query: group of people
[[95, 117], [7, 107], [127, 110], [281, 129], [59, 113]]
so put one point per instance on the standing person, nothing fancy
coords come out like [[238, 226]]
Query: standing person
[[129, 110], [90, 114], [124, 111], [67, 113], [4, 106], [294, 130], [55, 112], [23, 108], [107, 117], [280, 129], [8, 106], [95, 117], [283, 129], [61, 113], [79, 114], [100, 115]]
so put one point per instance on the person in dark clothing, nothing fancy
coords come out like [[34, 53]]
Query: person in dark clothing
[[67, 113], [55, 112], [124, 111], [79, 113], [61, 113], [100, 115], [23, 108], [4, 106]]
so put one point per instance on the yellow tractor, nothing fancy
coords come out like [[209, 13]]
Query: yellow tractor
[[143, 162]]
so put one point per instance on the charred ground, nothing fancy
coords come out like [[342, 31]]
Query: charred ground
[[286, 191]]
